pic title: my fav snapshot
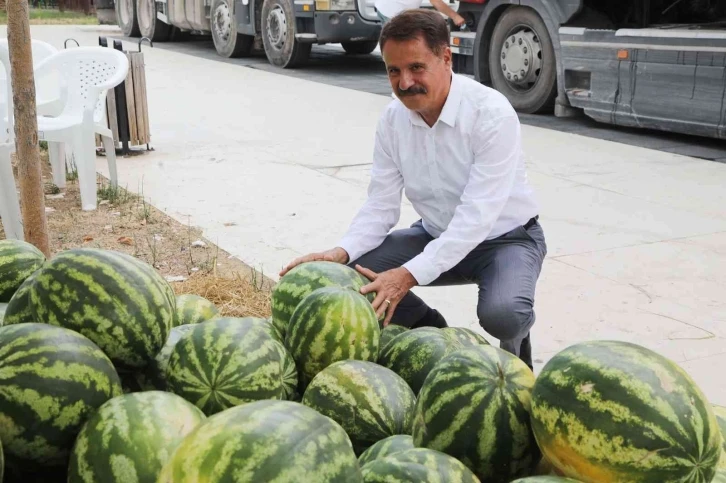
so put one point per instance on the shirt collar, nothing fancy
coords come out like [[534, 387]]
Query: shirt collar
[[451, 106]]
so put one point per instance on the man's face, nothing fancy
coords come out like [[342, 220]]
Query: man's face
[[419, 77]]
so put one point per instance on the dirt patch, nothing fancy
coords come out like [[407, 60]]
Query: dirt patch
[[125, 222]]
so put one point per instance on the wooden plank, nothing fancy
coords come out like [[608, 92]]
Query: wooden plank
[[144, 97], [130, 103], [112, 115], [137, 59]]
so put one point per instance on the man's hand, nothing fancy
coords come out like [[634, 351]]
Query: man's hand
[[391, 286], [337, 255], [459, 20]]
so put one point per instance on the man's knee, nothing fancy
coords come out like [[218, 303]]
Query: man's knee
[[506, 319]]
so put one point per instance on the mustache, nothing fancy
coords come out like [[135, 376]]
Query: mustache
[[411, 91]]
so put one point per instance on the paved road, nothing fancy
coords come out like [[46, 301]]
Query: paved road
[[329, 64]]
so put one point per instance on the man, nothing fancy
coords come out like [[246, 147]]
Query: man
[[454, 145], [388, 9]]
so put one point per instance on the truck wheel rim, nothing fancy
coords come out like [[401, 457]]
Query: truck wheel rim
[[144, 13], [521, 58], [277, 27], [222, 22], [126, 11]]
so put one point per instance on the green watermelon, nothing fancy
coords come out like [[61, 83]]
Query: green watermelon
[[290, 381], [414, 353], [545, 479], [466, 336], [131, 437], [52, 379], [265, 324], [610, 411], [120, 303], [155, 373], [3, 307], [369, 401], [388, 333], [223, 363], [417, 465], [386, 447], [193, 309], [474, 406], [264, 441], [720, 413], [720, 476], [302, 280], [18, 261], [18, 309], [330, 325]]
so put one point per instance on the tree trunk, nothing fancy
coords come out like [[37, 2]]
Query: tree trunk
[[32, 198]]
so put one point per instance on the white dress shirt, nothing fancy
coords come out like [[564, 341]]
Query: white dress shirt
[[391, 8], [464, 176]]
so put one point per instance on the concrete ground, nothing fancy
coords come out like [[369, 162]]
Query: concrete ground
[[272, 167]]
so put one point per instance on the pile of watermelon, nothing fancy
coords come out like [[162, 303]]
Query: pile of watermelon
[[106, 375]]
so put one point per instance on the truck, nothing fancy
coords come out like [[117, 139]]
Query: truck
[[654, 64], [285, 29]]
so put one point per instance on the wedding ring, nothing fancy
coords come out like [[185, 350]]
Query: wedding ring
[[387, 301]]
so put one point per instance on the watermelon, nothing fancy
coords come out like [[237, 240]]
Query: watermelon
[[369, 401], [388, 333], [720, 413], [290, 381], [193, 309], [474, 406], [3, 308], [414, 353], [612, 411], [264, 441], [330, 325], [52, 379], [223, 363], [265, 324], [120, 303], [302, 280], [466, 336], [155, 373], [18, 309], [385, 447], [18, 261], [131, 437], [545, 479], [418, 465], [720, 476]]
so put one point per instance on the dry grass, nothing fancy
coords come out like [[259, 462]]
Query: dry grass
[[124, 221]]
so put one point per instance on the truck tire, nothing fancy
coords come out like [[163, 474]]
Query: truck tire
[[150, 26], [126, 18], [522, 61], [224, 31], [278, 35], [360, 48]]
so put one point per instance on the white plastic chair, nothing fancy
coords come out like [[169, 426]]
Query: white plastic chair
[[50, 102], [88, 73]]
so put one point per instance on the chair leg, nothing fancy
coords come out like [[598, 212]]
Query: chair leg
[[83, 148], [9, 204], [57, 154], [110, 149]]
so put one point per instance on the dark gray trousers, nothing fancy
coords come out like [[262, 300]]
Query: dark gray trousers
[[506, 269]]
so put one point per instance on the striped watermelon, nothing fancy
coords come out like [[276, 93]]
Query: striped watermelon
[[223, 363], [386, 447], [417, 465], [3, 308], [18, 309], [474, 406], [720, 476], [18, 260], [388, 333], [52, 379], [155, 373], [466, 336], [302, 280], [720, 413], [120, 303], [131, 437], [193, 309], [414, 353], [610, 411], [545, 479], [329, 325], [369, 401], [290, 381], [264, 441]]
